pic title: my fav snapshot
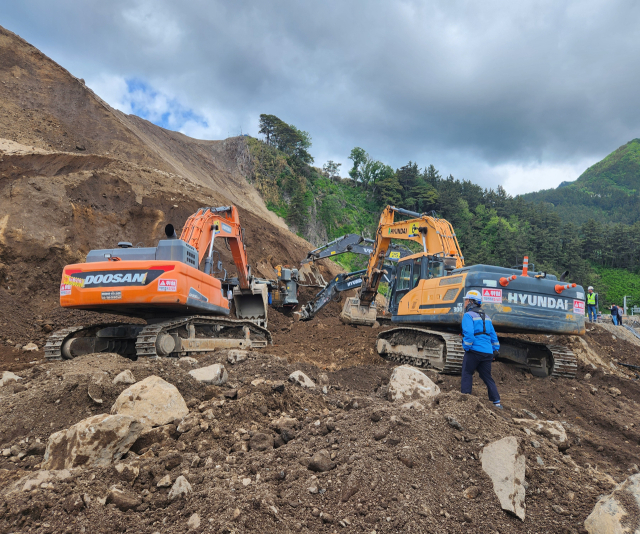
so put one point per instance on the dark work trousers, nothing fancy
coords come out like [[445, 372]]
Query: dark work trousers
[[481, 362]]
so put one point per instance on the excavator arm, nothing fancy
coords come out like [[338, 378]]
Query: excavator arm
[[201, 230], [357, 245], [207, 224]]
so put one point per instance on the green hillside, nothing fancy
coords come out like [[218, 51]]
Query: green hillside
[[491, 226], [608, 191]]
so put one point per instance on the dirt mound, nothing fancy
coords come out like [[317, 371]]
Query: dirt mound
[[396, 469]]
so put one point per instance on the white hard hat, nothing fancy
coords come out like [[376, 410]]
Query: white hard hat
[[590, 288], [473, 295]]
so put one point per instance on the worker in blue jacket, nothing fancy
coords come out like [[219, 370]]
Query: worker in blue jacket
[[481, 346]]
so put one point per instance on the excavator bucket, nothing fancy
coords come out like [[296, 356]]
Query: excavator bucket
[[251, 304], [354, 313], [309, 275]]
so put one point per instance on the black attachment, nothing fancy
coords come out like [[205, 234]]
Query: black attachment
[[170, 231]]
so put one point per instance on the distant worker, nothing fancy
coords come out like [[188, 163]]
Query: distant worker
[[592, 304], [620, 312], [481, 346], [614, 314]]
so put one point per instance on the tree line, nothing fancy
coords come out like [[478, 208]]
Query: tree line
[[492, 226]]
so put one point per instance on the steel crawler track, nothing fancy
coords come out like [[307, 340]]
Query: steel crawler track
[[145, 342], [564, 360], [53, 347]]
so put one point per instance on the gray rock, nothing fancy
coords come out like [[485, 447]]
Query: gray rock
[[180, 488], [125, 377], [95, 441], [214, 374], [236, 356], [505, 465], [194, 522], [8, 377], [453, 422], [123, 500], [611, 515], [408, 383], [298, 377]]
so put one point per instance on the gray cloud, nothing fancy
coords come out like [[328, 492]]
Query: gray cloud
[[522, 93]]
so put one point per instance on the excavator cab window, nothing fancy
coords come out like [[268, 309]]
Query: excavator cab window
[[404, 277], [436, 268], [409, 274], [417, 272]]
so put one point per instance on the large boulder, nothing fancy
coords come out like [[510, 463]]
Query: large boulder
[[408, 383], [505, 465], [152, 401], [215, 374], [94, 442], [612, 513], [552, 430]]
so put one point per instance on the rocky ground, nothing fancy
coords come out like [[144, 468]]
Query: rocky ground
[[262, 452]]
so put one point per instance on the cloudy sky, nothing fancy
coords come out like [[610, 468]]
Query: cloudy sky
[[525, 94]]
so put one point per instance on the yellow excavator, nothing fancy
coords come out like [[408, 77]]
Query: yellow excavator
[[426, 301]]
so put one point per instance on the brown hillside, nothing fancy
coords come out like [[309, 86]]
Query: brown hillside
[[76, 174]]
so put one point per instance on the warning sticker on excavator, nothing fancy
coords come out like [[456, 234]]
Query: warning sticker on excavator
[[65, 289], [414, 230], [492, 295], [167, 285], [578, 307], [394, 255]]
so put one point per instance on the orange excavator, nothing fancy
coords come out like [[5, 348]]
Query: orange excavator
[[185, 309]]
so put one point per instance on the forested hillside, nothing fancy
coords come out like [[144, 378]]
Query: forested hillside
[[492, 226], [608, 191]]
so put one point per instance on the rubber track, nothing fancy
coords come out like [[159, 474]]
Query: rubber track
[[53, 347], [146, 342], [454, 353]]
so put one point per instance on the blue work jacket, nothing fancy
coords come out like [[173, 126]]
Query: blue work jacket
[[472, 336]]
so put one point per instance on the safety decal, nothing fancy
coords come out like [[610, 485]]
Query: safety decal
[[167, 285], [226, 228], [193, 294], [65, 290], [492, 295], [72, 281], [578, 307], [111, 295], [394, 255]]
